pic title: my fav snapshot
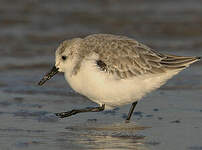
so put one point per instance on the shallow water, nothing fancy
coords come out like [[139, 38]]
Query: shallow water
[[30, 30]]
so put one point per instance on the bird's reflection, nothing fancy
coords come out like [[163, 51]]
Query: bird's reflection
[[113, 136]]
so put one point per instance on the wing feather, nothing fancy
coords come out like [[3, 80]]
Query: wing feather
[[128, 58]]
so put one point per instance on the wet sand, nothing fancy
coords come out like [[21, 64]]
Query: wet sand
[[30, 31]]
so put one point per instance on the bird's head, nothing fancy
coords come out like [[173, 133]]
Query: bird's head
[[64, 54]]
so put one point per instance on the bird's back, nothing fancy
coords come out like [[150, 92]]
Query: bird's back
[[126, 57]]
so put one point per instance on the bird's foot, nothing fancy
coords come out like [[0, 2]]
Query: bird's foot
[[75, 111], [66, 114]]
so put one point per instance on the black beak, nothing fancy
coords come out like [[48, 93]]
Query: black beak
[[49, 75]]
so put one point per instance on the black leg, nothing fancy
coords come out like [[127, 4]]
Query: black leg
[[131, 111], [76, 111]]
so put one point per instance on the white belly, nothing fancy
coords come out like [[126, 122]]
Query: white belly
[[105, 89]]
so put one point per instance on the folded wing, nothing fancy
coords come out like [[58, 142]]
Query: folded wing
[[127, 58]]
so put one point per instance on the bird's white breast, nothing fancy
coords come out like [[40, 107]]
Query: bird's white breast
[[104, 88]]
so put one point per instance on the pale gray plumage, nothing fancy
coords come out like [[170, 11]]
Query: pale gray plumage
[[126, 57]]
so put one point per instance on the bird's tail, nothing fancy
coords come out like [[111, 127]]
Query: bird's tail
[[178, 62]]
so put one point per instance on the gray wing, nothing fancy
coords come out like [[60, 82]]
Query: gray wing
[[128, 58]]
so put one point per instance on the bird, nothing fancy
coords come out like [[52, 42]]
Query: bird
[[113, 70]]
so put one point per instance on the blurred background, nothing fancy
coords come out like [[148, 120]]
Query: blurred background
[[31, 30]]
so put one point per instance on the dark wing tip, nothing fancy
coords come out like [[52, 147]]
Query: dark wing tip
[[199, 58]]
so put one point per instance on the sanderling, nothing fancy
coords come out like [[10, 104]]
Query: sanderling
[[113, 70]]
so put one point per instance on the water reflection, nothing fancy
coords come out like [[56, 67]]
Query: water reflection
[[114, 136]]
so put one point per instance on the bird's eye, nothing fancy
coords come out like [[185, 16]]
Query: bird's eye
[[64, 57]]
